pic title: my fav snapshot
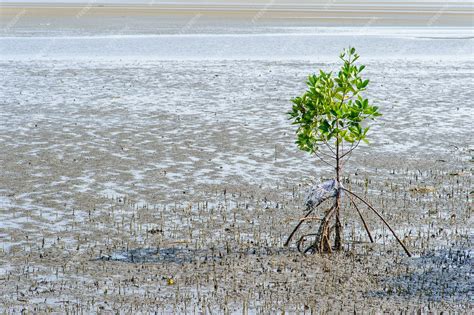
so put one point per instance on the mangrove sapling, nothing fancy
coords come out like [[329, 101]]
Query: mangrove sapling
[[332, 121]]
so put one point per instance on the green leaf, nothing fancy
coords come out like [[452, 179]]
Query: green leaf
[[333, 106], [324, 126]]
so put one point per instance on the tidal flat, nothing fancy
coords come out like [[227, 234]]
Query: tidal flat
[[171, 186], [147, 164]]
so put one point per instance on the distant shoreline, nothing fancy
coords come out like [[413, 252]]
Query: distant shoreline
[[302, 13]]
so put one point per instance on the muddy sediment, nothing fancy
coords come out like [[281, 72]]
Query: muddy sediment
[[172, 186]]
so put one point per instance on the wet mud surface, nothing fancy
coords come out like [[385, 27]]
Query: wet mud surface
[[172, 186]]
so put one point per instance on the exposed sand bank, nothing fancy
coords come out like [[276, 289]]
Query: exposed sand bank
[[173, 15]]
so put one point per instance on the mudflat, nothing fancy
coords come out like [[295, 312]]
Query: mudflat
[[119, 176], [147, 163]]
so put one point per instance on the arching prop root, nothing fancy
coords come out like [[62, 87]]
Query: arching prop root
[[322, 241], [322, 237], [381, 218], [301, 240], [310, 209], [366, 227]]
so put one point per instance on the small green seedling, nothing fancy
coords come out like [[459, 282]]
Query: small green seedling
[[332, 116]]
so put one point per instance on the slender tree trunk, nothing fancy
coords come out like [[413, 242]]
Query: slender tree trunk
[[338, 230], [338, 238]]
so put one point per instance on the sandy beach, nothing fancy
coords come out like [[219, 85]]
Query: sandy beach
[[149, 166]]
